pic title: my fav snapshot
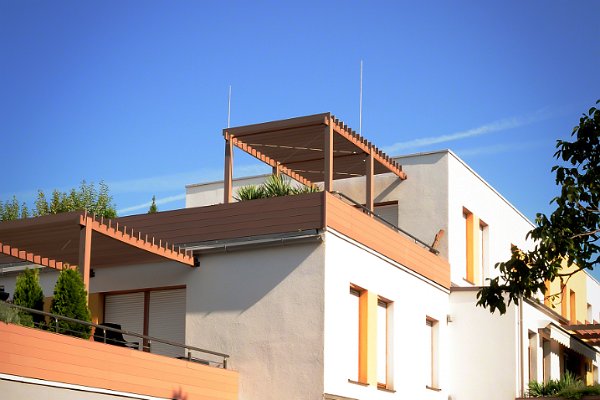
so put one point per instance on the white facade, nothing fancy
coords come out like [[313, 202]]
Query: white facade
[[287, 314], [348, 263]]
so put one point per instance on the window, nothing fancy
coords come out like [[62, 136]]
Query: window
[[383, 308], [431, 353], [547, 300], [483, 251], [563, 301], [476, 248], [469, 242], [590, 314], [368, 338], [532, 356], [546, 358], [573, 308], [353, 312]]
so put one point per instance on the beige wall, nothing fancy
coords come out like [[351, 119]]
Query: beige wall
[[12, 390], [265, 308]]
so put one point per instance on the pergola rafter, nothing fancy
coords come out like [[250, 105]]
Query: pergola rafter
[[314, 148], [67, 239]]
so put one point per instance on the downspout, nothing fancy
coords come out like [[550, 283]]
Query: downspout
[[521, 372]]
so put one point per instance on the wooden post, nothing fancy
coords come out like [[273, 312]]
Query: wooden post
[[328, 156], [369, 188], [276, 170], [227, 181], [85, 253]]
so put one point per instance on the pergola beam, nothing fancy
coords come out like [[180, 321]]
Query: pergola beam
[[228, 170], [369, 182], [301, 147], [147, 244], [366, 147], [267, 160], [328, 158], [85, 252], [24, 255]]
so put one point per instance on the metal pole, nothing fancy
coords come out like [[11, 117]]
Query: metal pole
[[360, 100], [229, 107]]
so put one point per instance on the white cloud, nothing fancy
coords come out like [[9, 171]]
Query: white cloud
[[175, 182], [495, 126], [496, 148], [146, 205]]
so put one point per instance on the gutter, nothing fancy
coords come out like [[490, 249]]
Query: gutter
[[228, 245]]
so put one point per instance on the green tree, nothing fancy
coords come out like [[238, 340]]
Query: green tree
[[86, 197], [10, 210], [29, 293], [70, 300], [153, 209], [569, 234]]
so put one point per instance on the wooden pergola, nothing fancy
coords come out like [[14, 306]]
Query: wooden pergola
[[588, 332], [61, 240], [310, 149]]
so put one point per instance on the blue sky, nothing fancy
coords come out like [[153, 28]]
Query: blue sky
[[135, 93]]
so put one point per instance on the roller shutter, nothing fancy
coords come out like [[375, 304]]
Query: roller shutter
[[126, 310], [167, 320]]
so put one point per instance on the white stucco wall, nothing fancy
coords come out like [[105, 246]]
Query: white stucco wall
[[593, 296], [48, 277], [15, 389], [483, 352], [506, 225], [207, 194], [422, 197], [265, 308], [413, 299], [533, 320], [143, 276]]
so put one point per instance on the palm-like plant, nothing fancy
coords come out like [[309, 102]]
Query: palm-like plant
[[250, 192], [274, 186]]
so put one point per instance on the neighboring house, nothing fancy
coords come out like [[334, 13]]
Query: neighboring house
[[312, 297]]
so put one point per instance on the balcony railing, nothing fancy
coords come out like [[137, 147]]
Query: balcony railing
[[384, 221], [51, 322]]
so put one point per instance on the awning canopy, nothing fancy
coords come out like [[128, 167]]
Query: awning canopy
[[570, 341], [298, 148], [56, 240]]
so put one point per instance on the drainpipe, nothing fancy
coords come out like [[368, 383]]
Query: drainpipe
[[521, 372]]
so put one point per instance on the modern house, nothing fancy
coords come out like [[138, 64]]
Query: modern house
[[365, 290]]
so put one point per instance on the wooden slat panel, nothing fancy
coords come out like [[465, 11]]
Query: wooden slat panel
[[375, 235], [308, 120], [42, 355], [242, 219]]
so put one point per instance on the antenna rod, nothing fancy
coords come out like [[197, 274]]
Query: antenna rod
[[360, 101], [229, 107]]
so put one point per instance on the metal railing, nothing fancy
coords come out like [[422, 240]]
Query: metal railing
[[52, 323], [381, 219]]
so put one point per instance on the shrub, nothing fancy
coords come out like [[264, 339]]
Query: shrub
[[29, 293], [70, 300], [250, 192], [274, 186], [569, 387], [8, 314]]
